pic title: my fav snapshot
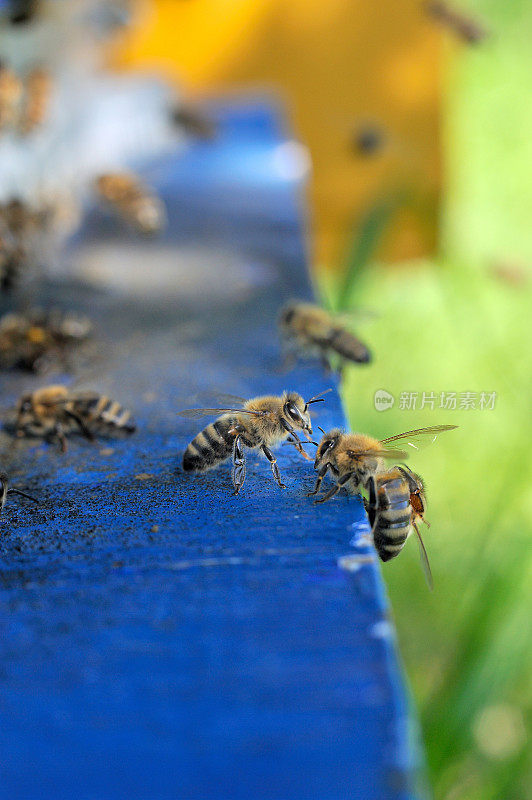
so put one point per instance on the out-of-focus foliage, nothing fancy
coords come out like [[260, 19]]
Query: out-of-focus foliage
[[462, 325]]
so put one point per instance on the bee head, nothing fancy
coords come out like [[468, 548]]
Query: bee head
[[287, 314], [25, 405], [295, 411], [326, 446]]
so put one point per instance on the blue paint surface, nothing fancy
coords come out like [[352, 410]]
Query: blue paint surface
[[159, 637]]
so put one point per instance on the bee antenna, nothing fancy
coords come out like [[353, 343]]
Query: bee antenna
[[321, 429], [317, 398]]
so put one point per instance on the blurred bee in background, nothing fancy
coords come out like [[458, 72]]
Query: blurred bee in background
[[309, 331], [194, 122], [11, 91], [5, 490], [464, 26], [32, 341], [260, 424], [54, 412], [22, 230], [125, 193], [395, 505], [36, 101]]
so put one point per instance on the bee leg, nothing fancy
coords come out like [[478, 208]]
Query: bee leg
[[3, 490], [372, 503], [273, 462], [87, 433], [321, 474], [238, 474], [59, 434], [327, 496]]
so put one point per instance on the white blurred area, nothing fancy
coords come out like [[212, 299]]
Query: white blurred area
[[97, 121]]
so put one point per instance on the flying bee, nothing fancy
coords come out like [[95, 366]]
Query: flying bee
[[125, 193], [30, 341], [194, 122], [395, 505], [464, 26], [310, 331], [11, 90], [36, 103], [260, 424], [354, 458], [5, 490], [54, 412]]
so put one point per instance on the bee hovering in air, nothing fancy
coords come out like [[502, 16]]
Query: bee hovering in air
[[33, 340], [465, 27], [5, 490], [396, 503], [310, 331], [127, 195], [54, 413], [260, 424]]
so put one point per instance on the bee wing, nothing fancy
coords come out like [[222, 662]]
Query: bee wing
[[424, 560], [419, 438], [194, 413], [398, 455]]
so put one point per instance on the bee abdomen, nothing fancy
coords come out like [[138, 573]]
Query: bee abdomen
[[210, 447], [348, 346], [105, 416], [393, 521]]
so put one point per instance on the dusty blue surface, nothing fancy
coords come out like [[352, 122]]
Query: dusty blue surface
[[159, 637]]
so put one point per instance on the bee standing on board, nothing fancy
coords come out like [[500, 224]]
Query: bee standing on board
[[30, 341], [309, 331], [261, 423], [54, 412], [467, 28], [125, 193], [395, 504], [38, 90], [5, 490]]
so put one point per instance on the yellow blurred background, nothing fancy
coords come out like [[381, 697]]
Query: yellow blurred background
[[342, 68]]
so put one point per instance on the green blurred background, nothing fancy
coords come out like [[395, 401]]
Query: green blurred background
[[460, 322]]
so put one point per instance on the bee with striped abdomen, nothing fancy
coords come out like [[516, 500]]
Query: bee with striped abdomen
[[5, 490], [32, 340], [395, 504], [353, 458], [54, 413], [128, 196], [309, 331], [260, 424]]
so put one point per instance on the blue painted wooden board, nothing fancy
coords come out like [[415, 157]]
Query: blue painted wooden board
[[160, 638]]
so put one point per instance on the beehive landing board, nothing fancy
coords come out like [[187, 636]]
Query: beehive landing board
[[160, 638]]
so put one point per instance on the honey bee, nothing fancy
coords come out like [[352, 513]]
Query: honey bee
[[11, 90], [194, 122], [125, 193], [54, 412], [354, 458], [38, 90], [310, 331], [395, 504], [30, 341], [5, 490], [260, 424], [467, 28], [21, 231]]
